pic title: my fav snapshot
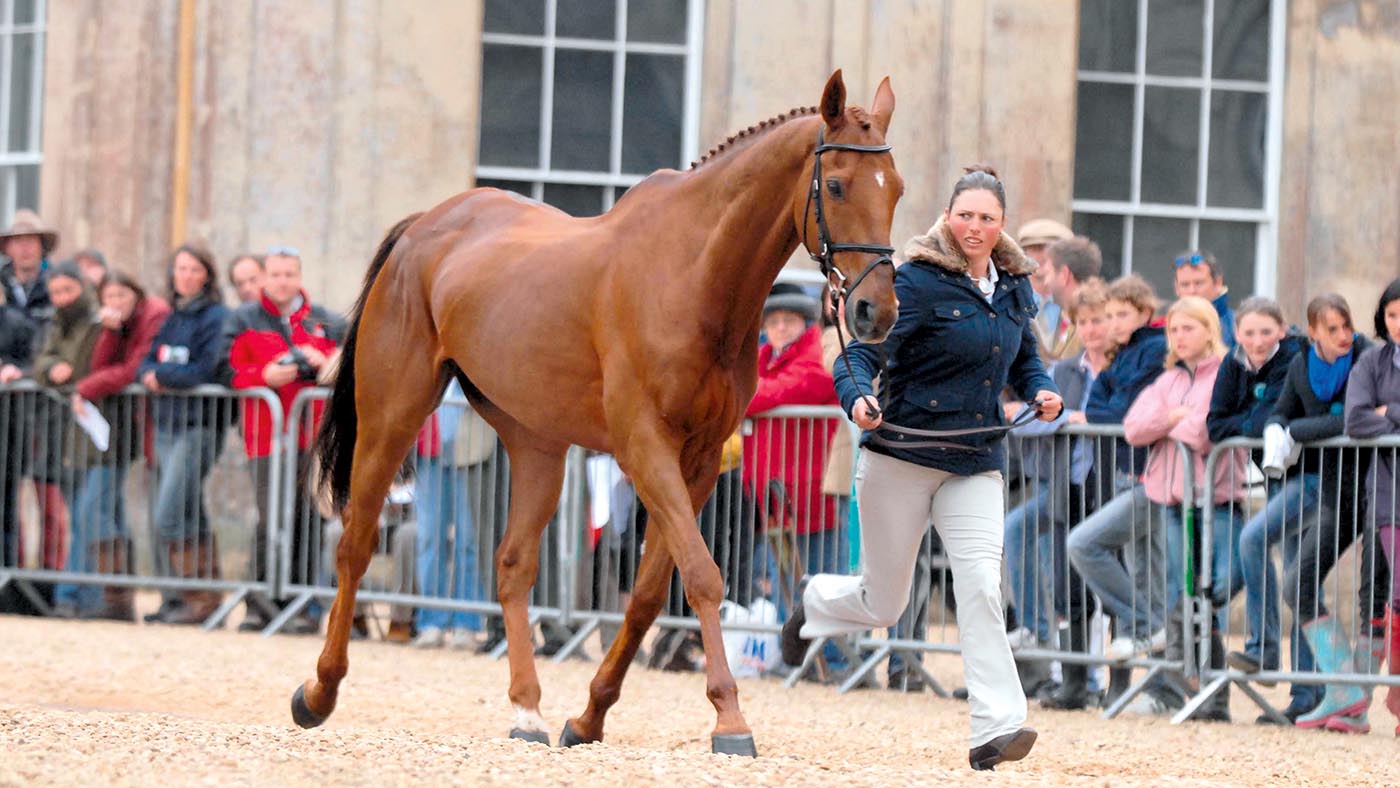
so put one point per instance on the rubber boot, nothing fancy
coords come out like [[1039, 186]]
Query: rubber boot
[[1333, 654], [1370, 654], [1392, 695], [1073, 692], [194, 559], [112, 557]]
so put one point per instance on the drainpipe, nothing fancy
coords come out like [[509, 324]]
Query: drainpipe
[[184, 125]]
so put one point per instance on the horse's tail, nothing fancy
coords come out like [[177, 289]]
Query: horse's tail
[[336, 441]]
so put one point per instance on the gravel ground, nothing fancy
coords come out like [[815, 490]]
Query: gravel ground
[[114, 704]]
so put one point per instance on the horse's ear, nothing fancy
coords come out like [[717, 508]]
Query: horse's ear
[[834, 100], [883, 106]]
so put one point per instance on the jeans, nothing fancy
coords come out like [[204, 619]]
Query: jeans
[[1279, 522], [446, 569], [1140, 599], [99, 514], [1028, 531], [186, 457], [1227, 576]]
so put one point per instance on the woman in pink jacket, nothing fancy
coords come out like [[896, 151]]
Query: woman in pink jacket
[[1173, 410]]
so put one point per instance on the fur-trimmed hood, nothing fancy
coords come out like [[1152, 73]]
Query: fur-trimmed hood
[[940, 248]]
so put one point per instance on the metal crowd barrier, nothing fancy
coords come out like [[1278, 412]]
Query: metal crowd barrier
[[767, 523], [1321, 518], [83, 526], [1050, 601], [438, 532]]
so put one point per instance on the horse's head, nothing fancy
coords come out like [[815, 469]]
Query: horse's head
[[845, 204]]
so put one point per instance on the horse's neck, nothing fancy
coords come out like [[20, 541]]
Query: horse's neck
[[747, 206]]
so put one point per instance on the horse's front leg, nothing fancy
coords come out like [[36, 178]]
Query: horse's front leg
[[673, 499], [648, 595]]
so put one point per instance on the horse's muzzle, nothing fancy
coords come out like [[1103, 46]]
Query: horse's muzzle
[[868, 323]]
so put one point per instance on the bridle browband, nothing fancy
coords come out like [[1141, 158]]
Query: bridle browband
[[838, 291]]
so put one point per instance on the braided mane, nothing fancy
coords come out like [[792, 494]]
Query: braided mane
[[777, 120]]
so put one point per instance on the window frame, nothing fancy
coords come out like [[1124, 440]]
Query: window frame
[[614, 181], [1264, 218], [11, 161]]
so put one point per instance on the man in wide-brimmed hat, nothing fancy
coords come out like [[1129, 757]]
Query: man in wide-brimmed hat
[[28, 243]]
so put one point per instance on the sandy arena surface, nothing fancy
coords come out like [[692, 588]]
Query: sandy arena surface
[[113, 704]]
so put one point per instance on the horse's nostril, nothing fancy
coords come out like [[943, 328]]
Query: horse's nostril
[[865, 313]]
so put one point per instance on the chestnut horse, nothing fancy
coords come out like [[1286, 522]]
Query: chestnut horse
[[633, 333]]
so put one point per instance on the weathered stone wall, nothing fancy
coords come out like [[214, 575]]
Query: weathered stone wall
[[1339, 198], [316, 124]]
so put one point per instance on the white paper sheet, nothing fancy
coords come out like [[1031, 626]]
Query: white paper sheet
[[94, 425]]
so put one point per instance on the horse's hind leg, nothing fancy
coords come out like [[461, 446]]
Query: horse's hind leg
[[648, 595], [386, 433], [536, 475]]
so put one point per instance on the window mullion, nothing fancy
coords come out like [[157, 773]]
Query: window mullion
[[1203, 148], [547, 88], [618, 82], [1139, 102]]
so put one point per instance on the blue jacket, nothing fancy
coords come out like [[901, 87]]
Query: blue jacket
[[1243, 400], [1227, 318], [950, 353], [188, 351], [1136, 365]]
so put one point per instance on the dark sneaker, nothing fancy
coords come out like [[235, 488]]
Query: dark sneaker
[[1007, 747], [794, 645]]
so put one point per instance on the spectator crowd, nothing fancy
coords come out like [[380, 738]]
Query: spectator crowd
[[1097, 522]]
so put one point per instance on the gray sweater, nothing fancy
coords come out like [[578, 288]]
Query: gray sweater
[[1375, 382]]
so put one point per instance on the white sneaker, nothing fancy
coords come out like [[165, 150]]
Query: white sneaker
[[1021, 638], [430, 637], [1125, 648], [461, 639]]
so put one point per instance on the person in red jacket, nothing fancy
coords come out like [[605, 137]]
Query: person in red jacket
[[130, 321], [784, 458], [282, 342]]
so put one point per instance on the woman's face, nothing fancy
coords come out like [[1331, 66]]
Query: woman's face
[[1392, 320], [1123, 319], [1259, 335], [64, 290], [189, 274], [976, 219], [1189, 338], [783, 328], [120, 299], [1332, 334], [1091, 324]]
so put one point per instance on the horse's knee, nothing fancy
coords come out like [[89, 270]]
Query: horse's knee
[[514, 578], [723, 690]]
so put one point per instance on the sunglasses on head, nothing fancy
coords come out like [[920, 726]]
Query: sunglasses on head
[[288, 251], [1193, 260]]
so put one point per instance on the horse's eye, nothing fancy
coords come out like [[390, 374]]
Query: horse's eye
[[833, 187]]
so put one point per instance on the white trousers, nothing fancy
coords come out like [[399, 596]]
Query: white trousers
[[897, 499]]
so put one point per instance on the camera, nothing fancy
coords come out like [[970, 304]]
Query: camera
[[304, 369]]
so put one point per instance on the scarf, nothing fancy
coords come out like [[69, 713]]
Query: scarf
[[1327, 380]]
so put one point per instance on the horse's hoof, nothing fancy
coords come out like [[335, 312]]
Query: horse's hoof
[[301, 713], [733, 744], [538, 737], [569, 737]]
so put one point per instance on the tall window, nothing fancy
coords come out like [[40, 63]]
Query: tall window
[[581, 99], [1178, 137], [21, 103]]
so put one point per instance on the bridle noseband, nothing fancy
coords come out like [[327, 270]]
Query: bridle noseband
[[828, 249]]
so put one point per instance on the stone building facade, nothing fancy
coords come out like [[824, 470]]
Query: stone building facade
[[1269, 129]]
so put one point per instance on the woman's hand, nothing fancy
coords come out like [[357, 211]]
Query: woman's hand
[[60, 373], [860, 414], [1077, 417], [10, 373], [111, 317], [1049, 404], [1382, 410], [149, 380], [1175, 415], [79, 404]]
